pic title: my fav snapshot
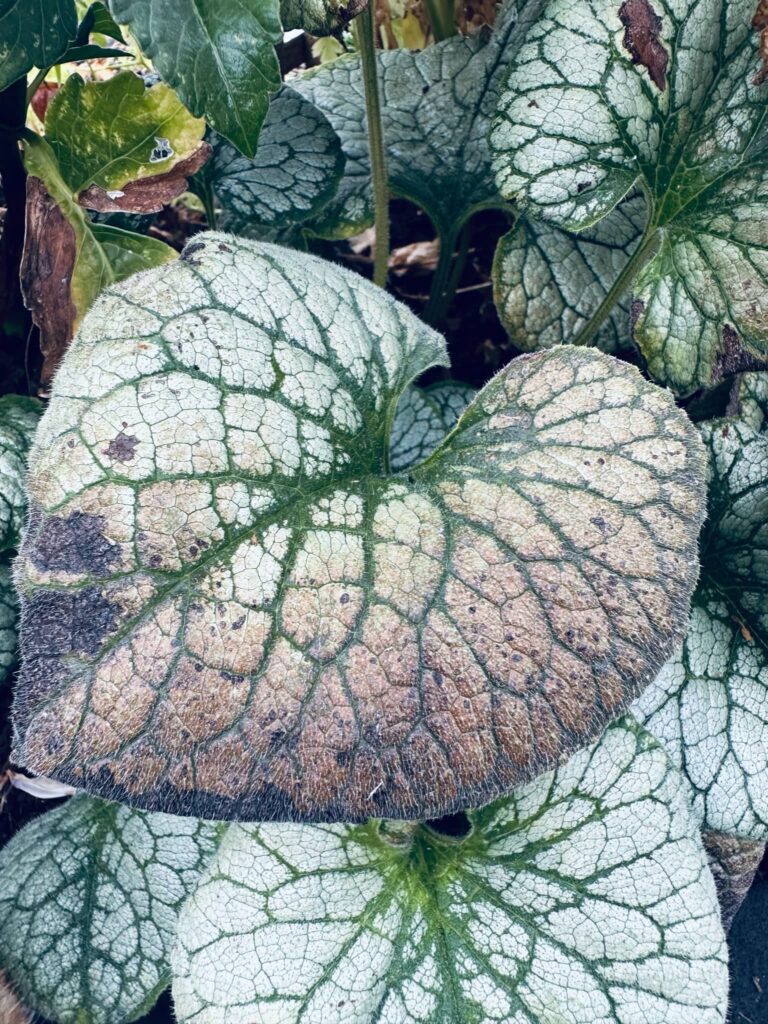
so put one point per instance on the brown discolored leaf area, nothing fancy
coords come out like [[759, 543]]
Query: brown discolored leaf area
[[50, 248], [146, 195], [733, 861], [11, 1009], [250, 619], [760, 25], [642, 27]]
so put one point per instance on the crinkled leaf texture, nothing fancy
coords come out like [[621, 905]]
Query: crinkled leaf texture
[[219, 56], [424, 417], [618, 93], [231, 609], [547, 282], [320, 17], [19, 417], [584, 897], [437, 107], [293, 175], [89, 897], [709, 705], [9, 607], [33, 33]]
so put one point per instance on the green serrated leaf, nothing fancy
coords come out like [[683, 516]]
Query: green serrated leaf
[[18, 420], [213, 515], [437, 106], [583, 898], [709, 705], [9, 610], [33, 33], [668, 97], [89, 896], [424, 417], [319, 17], [219, 56], [547, 282], [295, 171], [108, 134]]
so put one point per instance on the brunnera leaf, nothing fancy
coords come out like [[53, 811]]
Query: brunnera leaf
[[19, 417], [437, 107], [295, 170], [231, 608], [424, 416], [709, 704], [583, 897], [319, 17], [9, 609], [662, 96], [219, 56], [89, 896], [33, 33], [547, 282]]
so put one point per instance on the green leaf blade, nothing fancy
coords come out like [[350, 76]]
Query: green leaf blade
[[565, 903], [18, 421], [217, 54], [90, 896], [33, 33]]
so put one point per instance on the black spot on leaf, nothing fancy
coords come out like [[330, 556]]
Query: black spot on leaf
[[75, 544], [121, 448]]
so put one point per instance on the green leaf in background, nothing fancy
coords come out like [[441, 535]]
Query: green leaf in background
[[424, 417], [68, 259], [97, 20], [547, 282], [219, 56], [665, 96], [89, 897], [709, 705], [295, 171], [18, 420], [319, 17], [584, 897], [9, 609], [437, 106], [33, 33], [233, 610], [117, 140]]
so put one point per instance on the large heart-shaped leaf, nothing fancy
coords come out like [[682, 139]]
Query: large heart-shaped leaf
[[548, 283], [219, 56], [668, 96], [709, 705], [585, 897], [18, 421], [437, 107], [295, 171], [230, 607], [33, 33], [89, 898]]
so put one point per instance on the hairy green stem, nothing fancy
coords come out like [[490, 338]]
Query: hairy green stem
[[364, 30], [442, 17], [446, 276], [635, 264]]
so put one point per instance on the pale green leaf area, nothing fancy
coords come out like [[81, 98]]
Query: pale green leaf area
[[547, 282], [18, 421], [608, 96], [103, 255], [33, 33], [9, 609], [234, 609], [218, 55], [295, 171], [583, 898], [437, 107], [709, 705], [89, 898], [424, 417], [117, 131], [319, 17]]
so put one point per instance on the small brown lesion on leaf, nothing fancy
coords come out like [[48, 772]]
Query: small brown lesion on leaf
[[642, 29], [636, 310], [121, 448], [733, 357], [760, 25], [150, 194]]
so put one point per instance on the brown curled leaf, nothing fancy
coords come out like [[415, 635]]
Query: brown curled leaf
[[146, 195], [760, 24], [251, 617], [642, 28]]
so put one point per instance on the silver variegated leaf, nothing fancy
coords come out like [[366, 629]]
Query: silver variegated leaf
[[233, 609], [584, 897], [18, 420], [89, 897], [669, 97], [424, 417]]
